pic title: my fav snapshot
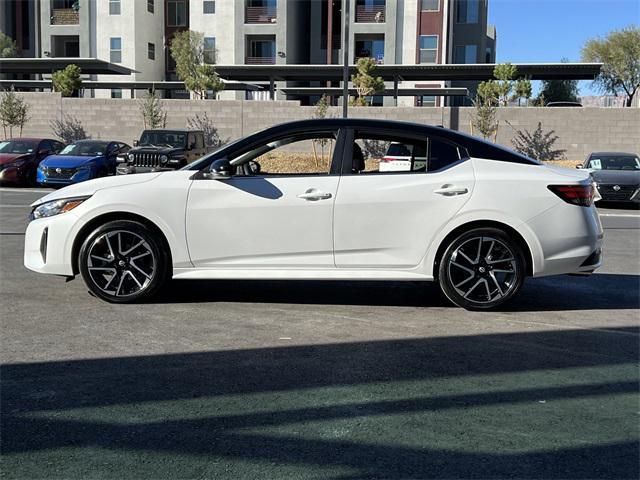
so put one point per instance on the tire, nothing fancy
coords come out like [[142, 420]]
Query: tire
[[124, 262], [481, 269], [31, 177]]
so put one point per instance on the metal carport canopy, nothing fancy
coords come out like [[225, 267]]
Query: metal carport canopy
[[401, 92], [88, 66], [128, 85], [422, 72]]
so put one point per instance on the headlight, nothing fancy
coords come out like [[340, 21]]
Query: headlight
[[55, 207], [131, 157], [164, 158], [16, 164]]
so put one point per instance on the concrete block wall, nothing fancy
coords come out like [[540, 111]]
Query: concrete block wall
[[580, 130]]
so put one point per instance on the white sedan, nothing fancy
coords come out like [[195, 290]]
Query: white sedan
[[301, 201]]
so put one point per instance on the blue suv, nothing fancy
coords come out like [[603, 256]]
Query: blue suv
[[80, 161]]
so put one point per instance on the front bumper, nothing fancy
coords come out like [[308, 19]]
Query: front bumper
[[13, 175], [79, 176], [46, 244]]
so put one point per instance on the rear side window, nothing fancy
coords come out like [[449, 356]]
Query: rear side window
[[381, 153]]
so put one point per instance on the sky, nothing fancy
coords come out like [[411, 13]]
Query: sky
[[549, 30]]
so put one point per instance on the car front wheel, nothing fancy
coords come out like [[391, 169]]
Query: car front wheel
[[123, 262], [481, 269]]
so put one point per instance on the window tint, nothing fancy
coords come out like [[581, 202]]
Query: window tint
[[298, 155], [383, 153], [46, 145]]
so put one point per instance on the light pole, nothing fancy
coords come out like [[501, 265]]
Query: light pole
[[345, 56]]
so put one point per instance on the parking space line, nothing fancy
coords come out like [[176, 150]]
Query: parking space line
[[25, 190], [622, 215], [14, 206]]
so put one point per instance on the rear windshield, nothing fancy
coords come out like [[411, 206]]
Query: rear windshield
[[17, 146]]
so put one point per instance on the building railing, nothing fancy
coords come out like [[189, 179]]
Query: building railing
[[65, 16], [370, 13], [260, 60], [260, 15]]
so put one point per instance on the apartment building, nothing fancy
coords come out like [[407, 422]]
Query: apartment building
[[137, 34]]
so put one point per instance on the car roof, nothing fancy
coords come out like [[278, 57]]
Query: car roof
[[179, 130], [30, 139], [476, 147], [613, 153], [88, 140]]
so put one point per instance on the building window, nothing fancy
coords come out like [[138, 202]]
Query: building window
[[430, 5], [209, 50], [428, 48], [427, 101], [488, 55], [466, 54], [151, 51], [467, 11], [114, 7], [177, 13], [115, 53], [208, 6], [150, 6], [116, 93]]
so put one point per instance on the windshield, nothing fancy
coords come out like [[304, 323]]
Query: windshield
[[617, 162], [18, 146], [85, 149], [163, 139]]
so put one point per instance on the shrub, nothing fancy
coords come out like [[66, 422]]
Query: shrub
[[14, 111], [211, 137], [152, 111], [67, 81], [69, 129], [538, 145]]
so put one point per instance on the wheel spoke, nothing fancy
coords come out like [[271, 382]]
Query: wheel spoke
[[140, 256], [111, 269], [488, 255], [106, 237], [463, 267], [463, 255], [502, 260], [128, 272], [102, 259], [472, 288], [480, 241], [470, 277], [133, 248], [131, 262], [486, 285], [495, 280], [115, 274], [501, 270], [120, 285]]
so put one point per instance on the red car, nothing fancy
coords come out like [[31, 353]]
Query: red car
[[20, 157]]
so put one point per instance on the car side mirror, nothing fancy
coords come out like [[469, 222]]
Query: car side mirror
[[579, 165], [220, 170], [135, 143]]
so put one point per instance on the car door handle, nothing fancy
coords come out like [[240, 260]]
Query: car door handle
[[451, 190], [312, 194]]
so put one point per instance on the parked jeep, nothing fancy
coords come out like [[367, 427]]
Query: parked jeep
[[159, 150]]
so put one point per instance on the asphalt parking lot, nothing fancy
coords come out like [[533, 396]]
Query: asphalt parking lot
[[320, 380]]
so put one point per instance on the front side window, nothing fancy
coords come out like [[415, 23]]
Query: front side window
[[208, 7], [114, 7], [467, 11], [309, 154], [176, 13], [375, 153], [209, 50], [428, 48], [430, 5]]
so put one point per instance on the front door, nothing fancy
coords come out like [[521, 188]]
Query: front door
[[279, 217]]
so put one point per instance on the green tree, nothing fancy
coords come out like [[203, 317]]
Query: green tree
[[187, 50], [523, 89], [619, 53], [505, 74], [558, 91], [8, 48], [483, 118], [538, 145], [14, 112], [364, 82], [67, 81], [152, 111]]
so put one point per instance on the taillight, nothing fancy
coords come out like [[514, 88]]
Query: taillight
[[387, 159], [581, 195]]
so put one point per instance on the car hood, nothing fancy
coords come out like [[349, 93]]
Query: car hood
[[164, 150], [12, 157], [68, 161], [88, 188], [619, 177]]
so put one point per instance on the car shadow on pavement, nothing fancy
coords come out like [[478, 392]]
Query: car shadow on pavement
[[596, 292], [553, 404]]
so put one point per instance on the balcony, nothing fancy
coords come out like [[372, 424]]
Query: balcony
[[370, 13], [260, 60], [65, 16], [265, 14]]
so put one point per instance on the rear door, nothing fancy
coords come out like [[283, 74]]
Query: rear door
[[387, 219]]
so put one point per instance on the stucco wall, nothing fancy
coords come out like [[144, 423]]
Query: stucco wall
[[580, 130]]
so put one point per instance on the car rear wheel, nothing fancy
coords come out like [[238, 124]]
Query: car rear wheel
[[481, 269], [123, 262]]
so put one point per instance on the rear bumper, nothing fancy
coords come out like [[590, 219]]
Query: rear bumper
[[571, 239]]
